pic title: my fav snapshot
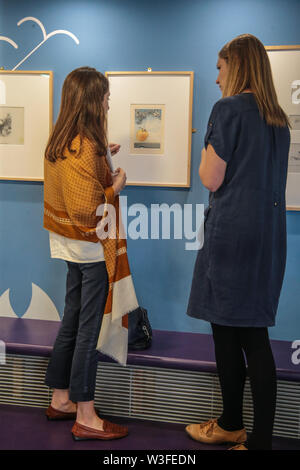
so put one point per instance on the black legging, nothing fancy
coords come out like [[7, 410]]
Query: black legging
[[230, 342]]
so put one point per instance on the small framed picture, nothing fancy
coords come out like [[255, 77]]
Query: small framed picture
[[294, 158], [295, 122], [285, 64], [150, 116], [147, 129], [11, 125], [25, 123]]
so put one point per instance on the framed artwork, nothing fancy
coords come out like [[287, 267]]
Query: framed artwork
[[285, 63], [150, 116], [25, 123], [11, 125], [147, 129]]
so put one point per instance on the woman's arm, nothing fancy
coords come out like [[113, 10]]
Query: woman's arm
[[212, 169], [114, 148], [119, 180]]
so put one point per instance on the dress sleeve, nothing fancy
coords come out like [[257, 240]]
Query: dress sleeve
[[223, 130]]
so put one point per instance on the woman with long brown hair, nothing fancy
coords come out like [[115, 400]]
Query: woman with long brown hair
[[239, 270], [77, 181]]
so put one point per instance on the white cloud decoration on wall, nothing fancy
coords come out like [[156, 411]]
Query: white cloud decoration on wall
[[41, 306], [10, 41], [6, 309], [45, 37]]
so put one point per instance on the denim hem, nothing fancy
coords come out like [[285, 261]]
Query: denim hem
[[57, 385], [76, 397]]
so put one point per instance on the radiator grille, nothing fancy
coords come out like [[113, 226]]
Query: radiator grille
[[156, 394]]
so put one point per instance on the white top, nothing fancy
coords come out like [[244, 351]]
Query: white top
[[77, 251]]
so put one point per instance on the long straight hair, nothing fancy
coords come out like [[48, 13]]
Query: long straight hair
[[81, 113], [249, 67]]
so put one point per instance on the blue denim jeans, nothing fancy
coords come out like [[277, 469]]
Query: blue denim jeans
[[73, 364]]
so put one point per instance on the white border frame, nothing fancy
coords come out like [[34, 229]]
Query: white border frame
[[32, 90], [175, 91], [285, 63]]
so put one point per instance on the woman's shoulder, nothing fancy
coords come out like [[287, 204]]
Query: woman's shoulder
[[81, 144], [224, 108], [236, 102], [83, 148], [234, 105]]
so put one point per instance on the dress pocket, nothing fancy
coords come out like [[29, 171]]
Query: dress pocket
[[234, 256]]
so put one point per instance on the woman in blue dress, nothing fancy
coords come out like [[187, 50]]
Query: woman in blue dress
[[239, 270]]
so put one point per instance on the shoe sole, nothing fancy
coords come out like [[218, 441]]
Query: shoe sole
[[214, 443], [77, 438], [49, 418]]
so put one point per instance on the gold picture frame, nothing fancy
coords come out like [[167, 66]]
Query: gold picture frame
[[285, 63], [25, 123], [162, 102]]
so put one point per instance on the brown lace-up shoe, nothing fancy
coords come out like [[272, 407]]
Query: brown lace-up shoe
[[211, 433], [110, 431]]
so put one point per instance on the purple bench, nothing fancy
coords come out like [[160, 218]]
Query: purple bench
[[173, 350]]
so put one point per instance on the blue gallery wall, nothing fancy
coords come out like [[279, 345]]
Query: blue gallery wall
[[133, 35]]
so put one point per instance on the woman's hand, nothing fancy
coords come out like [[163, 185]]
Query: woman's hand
[[114, 148], [119, 180]]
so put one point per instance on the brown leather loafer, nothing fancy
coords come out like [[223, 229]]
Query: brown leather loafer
[[211, 433], [110, 431], [56, 415]]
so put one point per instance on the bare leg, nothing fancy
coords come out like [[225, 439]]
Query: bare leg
[[86, 415], [61, 401]]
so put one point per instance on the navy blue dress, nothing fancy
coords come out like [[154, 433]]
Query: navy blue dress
[[239, 270]]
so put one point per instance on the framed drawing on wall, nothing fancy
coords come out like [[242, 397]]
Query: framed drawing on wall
[[25, 123], [285, 64], [150, 115]]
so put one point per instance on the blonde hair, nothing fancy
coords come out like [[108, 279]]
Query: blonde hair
[[249, 67]]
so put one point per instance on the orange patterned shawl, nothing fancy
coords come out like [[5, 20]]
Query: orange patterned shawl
[[73, 190]]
